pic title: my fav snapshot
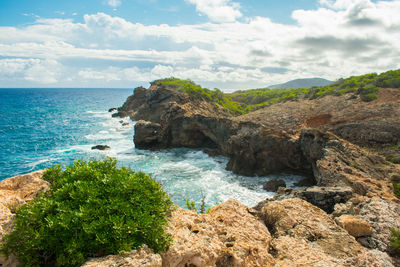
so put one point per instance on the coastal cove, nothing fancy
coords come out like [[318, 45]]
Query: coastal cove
[[43, 127]]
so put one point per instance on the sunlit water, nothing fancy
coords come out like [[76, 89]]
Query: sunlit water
[[43, 127]]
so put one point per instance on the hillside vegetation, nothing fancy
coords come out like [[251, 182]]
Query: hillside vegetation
[[244, 101]]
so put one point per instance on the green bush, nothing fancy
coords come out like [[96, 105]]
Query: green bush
[[396, 189], [92, 209], [395, 241]]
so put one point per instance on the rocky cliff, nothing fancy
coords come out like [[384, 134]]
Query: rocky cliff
[[334, 140]]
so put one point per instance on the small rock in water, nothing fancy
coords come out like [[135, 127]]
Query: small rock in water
[[112, 110], [125, 124], [273, 185], [101, 147]]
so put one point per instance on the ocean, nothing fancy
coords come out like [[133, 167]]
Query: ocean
[[43, 127]]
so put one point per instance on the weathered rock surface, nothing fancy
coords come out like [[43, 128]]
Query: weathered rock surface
[[143, 258], [273, 185], [381, 214], [229, 235], [304, 235], [323, 197], [15, 192], [354, 226], [285, 233]]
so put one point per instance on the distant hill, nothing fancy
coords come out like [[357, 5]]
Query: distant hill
[[302, 83]]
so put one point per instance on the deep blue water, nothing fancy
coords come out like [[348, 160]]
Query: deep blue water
[[43, 127]]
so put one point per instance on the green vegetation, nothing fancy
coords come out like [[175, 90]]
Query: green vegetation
[[244, 101], [91, 209], [395, 241], [396, 185], [195, 91], [191, 205]]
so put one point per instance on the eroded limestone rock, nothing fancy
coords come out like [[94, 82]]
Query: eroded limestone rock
[[15, 192], [143, 258], [229, 235], [304, 235]]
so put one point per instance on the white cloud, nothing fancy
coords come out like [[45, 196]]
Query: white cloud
[[332, 41], [218, 10], [114, 3], [33, 70]]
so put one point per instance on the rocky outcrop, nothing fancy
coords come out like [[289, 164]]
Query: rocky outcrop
[[322, 138], [15, 192], [143, 258], [285, 233], [290, 232], [323, 197], [381, 214], [304, 235], [229, 235]]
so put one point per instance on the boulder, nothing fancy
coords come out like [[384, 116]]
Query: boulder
[[146, 134], [143, 258], [354, 226], [101, 147], [112, 110], [273, 185], [323, 197]]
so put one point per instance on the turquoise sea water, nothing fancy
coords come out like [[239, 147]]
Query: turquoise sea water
[[43, 127]]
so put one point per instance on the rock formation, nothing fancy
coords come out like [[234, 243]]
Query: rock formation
[[100, 147], [15, 192], [327, 139], [290, 232]]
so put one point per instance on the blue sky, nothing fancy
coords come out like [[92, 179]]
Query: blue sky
[[148, 12], [230, 44]]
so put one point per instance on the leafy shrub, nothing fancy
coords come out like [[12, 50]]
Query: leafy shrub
[[368, 93], [91, 209]]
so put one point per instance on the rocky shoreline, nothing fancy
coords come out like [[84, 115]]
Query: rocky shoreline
[[343, 219], [329, 139]]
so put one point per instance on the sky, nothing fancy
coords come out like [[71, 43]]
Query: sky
[[228, 44]]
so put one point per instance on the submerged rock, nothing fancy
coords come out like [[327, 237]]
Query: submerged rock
[[101, 147]]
